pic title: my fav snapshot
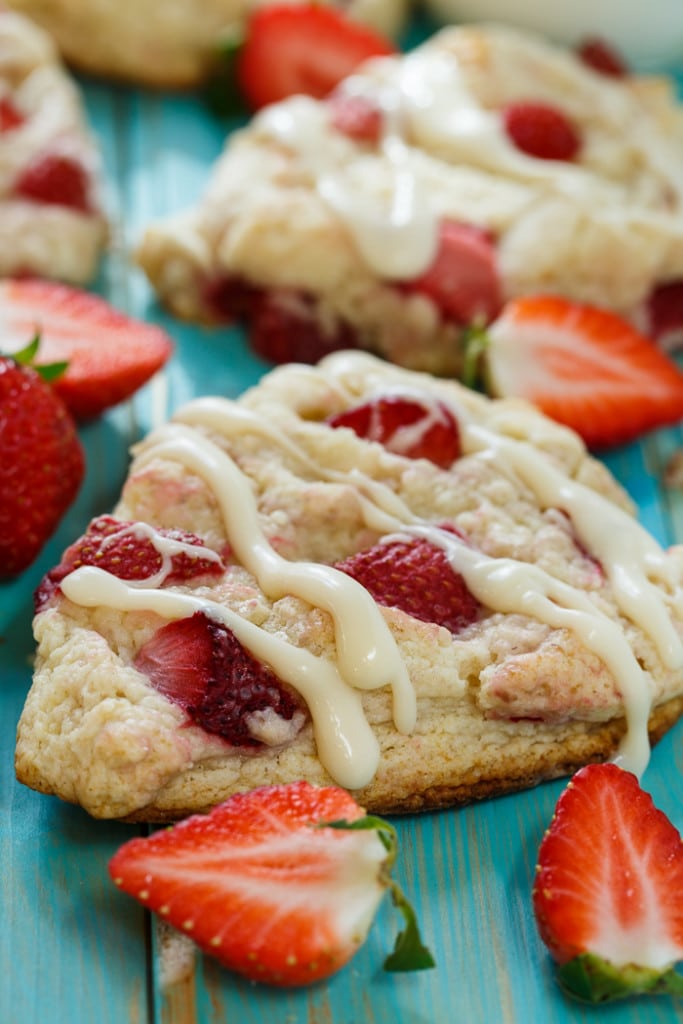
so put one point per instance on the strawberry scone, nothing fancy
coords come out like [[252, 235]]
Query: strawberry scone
[[52, 222], [429, 188], [166, 43], [353, 574]]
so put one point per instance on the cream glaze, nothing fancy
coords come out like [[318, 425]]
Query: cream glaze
[[367, 655]]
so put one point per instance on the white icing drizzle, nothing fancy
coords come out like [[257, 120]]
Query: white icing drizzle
[[367, 656], [164, 545]]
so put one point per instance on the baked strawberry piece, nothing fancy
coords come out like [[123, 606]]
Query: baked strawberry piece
[[607, 894], [423, 596], [280, 885], [52, 219], [425, 191]]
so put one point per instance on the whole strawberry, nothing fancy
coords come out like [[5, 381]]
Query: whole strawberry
[[42, 462]]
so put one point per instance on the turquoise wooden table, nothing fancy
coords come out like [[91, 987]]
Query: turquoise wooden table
[[73, 950]]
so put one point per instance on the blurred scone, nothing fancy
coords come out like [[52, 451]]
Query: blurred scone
[[51, 217], [163, 43], [485, 164], [353, 573]]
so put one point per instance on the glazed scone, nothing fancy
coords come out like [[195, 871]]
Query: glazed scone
[[354, 573], [52, 222], [163, 43], [404, 206]]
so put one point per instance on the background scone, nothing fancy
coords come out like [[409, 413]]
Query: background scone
[[52, 222], [485, 164], [359, 574], [163, 43]]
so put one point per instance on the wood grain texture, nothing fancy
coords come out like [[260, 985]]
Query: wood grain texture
[[76, 951]]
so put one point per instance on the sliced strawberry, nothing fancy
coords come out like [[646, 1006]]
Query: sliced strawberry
[[109, 355], [55, 179], [302, 48], [406, 426], [585, 367], [10, 117], [463, 279], [132, 551], [664, 315], [417, 578], [269, 888], [603, 57], [356, 116], [200, 665], [541, 130], [609, 882], [285, 327]]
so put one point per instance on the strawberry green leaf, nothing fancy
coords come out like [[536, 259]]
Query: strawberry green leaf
[[593, 980], [26, 356], [410, 952]]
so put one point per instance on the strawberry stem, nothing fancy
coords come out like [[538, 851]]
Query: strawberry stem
[[409, 952], [593, 980]]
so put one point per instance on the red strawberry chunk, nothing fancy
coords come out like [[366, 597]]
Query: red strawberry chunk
[[417, 578], [302, 48], [359, 117], [109, 355], [406, 426], [10, 117], [285, 327], [200, 665], [463, 279], [56, 179], [610, 875], [664, 315], [541, 130], [584, 367], [261, 884], [603, 57], [128, 551]]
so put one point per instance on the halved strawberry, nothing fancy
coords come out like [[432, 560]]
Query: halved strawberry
[[406, 426], [109, 355], [266, 885], [463, 279], [585, 367], [608, 895], [128, 551], [200, 665], [541, 130], [302, 48], [416, 577]]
